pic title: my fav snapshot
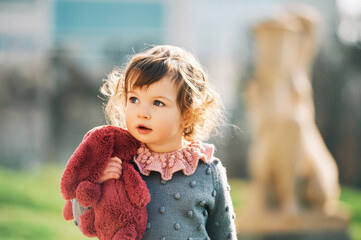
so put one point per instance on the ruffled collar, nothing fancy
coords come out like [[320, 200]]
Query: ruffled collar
[[185, 159]]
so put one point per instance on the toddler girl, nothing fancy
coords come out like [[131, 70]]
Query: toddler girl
[[163, 98]]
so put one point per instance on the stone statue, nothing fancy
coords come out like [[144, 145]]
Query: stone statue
[[293, 175]]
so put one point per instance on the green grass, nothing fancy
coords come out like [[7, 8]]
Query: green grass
[[31, 206], [351, 200]]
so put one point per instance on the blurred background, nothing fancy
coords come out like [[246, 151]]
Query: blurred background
[[55, 53]]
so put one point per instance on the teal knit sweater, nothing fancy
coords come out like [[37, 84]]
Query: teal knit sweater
[[195, 207]]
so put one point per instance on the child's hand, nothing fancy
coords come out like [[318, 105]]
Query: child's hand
[[112, 171]]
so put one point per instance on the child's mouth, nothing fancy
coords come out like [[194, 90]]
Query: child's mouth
[[143, 129]]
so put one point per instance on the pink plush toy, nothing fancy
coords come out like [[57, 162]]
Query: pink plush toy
[[115, 209]]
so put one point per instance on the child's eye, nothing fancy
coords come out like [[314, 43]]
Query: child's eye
[[158, 103], [133, 100]]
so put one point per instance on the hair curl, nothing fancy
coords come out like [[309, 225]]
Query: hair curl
[[195, 98]]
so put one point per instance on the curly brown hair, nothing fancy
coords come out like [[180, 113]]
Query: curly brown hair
[[195, 98]]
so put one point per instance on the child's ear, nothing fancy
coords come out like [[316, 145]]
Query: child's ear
[[186, 119], [187, 123]]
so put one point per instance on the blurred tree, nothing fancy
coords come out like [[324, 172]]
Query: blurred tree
[[337, 94], [74, 107]]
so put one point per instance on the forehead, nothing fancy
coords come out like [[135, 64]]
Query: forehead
[[165, 86], [140, 79]]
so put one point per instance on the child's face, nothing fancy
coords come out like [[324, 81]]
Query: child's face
[[153, 117]]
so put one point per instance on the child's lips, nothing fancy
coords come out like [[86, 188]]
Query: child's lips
[[142, 129]]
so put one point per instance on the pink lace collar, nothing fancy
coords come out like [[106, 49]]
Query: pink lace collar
[[185, 159]]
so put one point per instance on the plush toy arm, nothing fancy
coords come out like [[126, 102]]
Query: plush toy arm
[[68, 211], [88, 193], [135, 186], [126, 233], [87, 223]]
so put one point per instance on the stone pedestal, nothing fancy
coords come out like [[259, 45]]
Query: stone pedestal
[[261, 224], [310, 225], [312, 235]]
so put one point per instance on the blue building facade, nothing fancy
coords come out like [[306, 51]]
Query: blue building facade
[[107, 29]]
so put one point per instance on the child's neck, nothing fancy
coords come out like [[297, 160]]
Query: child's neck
[[164, 148]]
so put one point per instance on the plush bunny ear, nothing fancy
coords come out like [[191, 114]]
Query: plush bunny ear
[[125, 145], [88, 161]]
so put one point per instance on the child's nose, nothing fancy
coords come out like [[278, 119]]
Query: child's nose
[[143, 113]]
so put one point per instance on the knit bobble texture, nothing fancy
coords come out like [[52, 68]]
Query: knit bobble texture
[[189, 207]]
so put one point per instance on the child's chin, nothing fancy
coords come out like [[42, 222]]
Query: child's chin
[[140, 137]]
